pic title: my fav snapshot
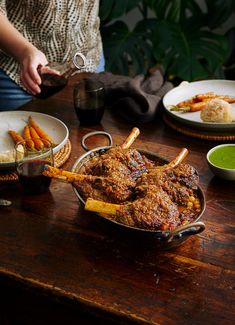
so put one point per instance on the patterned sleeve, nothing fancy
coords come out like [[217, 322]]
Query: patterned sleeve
[[3, 6]]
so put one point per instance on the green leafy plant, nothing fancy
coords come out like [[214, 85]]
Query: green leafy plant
[[179, 35]]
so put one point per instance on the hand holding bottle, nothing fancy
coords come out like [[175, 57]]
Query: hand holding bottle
[[31, 59]]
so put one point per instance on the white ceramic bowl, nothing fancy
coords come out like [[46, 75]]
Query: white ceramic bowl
[[221, 160]]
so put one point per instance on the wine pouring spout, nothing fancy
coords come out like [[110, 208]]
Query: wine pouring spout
[[79, 60], [78, 63]]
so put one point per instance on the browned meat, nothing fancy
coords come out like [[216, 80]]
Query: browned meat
[[115, 189], [177, 192], [157, 200], [160, 204], [119, 169], [128, 162], [152, 210], [185, 174], [179, 186], [181, 189]]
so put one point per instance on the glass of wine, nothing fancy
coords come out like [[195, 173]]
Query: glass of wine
[[31, 156], [89, 101]]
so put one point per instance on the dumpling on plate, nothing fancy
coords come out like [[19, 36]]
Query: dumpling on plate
[[217, 110]]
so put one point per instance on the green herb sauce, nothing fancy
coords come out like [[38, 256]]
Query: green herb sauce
[[223, 157]]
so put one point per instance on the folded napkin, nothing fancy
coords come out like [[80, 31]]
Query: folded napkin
[[134, 99]]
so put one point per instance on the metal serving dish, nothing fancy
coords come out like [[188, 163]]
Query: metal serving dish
[[163, 239]]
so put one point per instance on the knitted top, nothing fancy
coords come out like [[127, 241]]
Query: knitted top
[[58, 28]]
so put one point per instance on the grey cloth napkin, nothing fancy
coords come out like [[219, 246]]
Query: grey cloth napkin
[[134, 99]]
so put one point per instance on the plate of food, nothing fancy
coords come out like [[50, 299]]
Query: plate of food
[[138, 191], [207, 104], [14, 126]]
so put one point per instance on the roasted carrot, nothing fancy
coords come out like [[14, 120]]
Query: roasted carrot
[[41, 133], [198, 106], [36, 139], [198, 102], [228, 99], [46, 143], [185, 103], [16, 137], [212, 95], [28, 138], [201, 97]]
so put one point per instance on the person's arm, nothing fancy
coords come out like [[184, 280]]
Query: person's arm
[[25, 53]]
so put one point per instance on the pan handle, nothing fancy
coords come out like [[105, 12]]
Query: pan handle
[[94, 133], [186, 231]]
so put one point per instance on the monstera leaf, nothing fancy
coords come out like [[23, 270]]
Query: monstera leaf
[[218, 12], [122, 46], [181, 36], [187, 53]]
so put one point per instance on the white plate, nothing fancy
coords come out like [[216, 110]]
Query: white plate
[[186, 90], [16, 120]]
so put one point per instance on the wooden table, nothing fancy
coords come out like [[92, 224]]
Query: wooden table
[[59, 265]]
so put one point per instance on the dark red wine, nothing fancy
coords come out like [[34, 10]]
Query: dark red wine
[[51, 84], [31, 178], [89, 101], [90, 116]]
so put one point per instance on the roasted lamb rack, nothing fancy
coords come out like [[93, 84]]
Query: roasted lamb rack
[[98, 187], [128, 187], [165, 198], [119, 161], [110, 176], [153, 209]]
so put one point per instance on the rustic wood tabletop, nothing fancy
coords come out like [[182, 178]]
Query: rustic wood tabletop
[[61, 265]]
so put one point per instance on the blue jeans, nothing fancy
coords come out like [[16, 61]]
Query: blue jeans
[[12, 96]]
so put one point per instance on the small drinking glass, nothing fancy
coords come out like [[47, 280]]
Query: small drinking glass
[[30, 162], [89, 101]]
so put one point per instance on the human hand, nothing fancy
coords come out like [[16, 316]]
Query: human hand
[[25, 53], [31, 60]]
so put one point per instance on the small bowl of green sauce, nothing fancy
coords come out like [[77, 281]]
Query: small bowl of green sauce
[[221, 160]]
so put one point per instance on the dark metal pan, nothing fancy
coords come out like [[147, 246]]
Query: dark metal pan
[[165, 239]]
